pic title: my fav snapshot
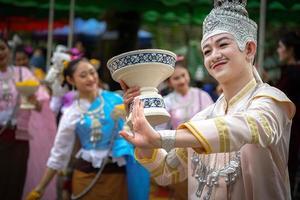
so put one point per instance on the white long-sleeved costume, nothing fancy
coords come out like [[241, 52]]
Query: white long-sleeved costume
[[256, 122]]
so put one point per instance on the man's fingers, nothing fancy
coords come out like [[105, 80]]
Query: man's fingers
[[140, 109], [128, 100], [127, 137], [135, 110], [133, 91], [123, 85]]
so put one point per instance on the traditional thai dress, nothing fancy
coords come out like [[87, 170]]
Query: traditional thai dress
[[42, 127], [181, 109], [244, 150], [93, 126], [14, 141]]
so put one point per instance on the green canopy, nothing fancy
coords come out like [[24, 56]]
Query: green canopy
[[175, 11]]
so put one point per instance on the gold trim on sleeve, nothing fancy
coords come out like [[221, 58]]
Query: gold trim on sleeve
[[266, 126], [182, 154], [223, 134], [146, 160], [159, 170], [173, 172], [175, 176], [201, 139], [253, 129]]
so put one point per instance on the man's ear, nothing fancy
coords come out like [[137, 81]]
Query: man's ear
[[250, 50]]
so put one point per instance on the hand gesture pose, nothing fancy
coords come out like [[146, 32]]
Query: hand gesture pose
[[144, 135]]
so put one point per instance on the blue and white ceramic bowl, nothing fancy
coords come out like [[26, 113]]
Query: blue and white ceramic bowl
[[146, 67]]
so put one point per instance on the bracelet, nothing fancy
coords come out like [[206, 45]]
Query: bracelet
[[168, 138]]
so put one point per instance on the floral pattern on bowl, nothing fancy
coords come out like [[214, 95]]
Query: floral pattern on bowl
[[151, 102], [141, 56]]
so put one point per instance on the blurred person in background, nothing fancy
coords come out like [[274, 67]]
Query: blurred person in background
[[22, 58], [42, 126], [14, 125], [289, 55], [38, 59]]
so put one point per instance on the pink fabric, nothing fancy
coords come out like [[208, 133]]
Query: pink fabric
[[68, 98], [3, 104], [23, 116], [42, 127], [183, 108]]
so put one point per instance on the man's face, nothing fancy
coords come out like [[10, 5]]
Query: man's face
[[222, 57]]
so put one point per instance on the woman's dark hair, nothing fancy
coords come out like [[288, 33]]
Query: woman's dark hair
[[4, 40], [21, 49], [70, 69], [181, 62], [292, 40]]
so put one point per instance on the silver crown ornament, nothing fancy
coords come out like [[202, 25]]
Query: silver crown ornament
[[230, 16]]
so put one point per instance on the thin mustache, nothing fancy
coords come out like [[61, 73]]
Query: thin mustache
[[217, 62]]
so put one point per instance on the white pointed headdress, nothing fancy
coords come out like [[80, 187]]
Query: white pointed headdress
[[230, 16]]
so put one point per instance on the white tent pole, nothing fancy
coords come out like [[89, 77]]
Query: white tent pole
[[50, 33], [71, 23], [261, 35]]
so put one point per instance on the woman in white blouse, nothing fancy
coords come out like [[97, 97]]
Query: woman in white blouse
[[88, 130]]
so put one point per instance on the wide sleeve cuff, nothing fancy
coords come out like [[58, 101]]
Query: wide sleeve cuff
[[207, 147], [145, 160], [151, 163]]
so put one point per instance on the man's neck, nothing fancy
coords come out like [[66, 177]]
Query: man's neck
[[233, 87]]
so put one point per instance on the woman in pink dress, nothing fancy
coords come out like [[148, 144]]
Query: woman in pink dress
[[14, 126], [42, 127]]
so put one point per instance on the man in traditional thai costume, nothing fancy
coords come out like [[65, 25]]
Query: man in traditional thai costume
[[238, 147]]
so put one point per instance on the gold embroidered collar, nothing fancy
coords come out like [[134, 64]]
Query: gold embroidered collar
[[248, 87]]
